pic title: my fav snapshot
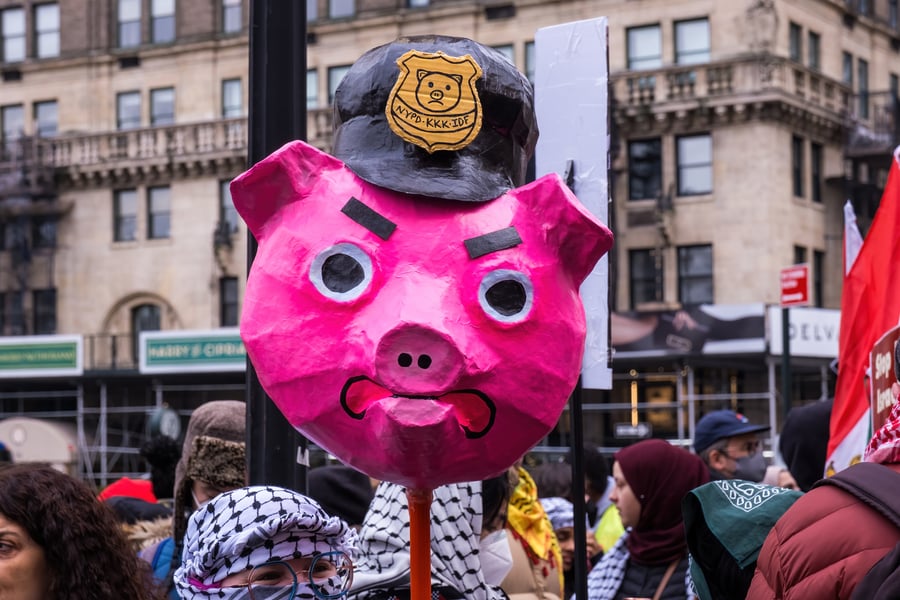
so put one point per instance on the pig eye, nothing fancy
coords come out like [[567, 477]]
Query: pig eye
[[342, 272], [506, 295]]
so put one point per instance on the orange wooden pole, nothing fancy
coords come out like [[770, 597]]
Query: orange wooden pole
[[419, 543]]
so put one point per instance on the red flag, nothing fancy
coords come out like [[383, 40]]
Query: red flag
[[870, 305]]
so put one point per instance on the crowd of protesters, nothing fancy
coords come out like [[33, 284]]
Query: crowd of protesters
[[663, 523]]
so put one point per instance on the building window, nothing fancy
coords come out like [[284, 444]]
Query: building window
[[158, 212], [232, 16], [695, 275], [45, 118], [338, 9], [795, 42], [894, 87], [129, 23], [232, 99], [12, 126], [892, 13], [507, 51], [847, 70], [865, 7], [813, 47], [417, 3], [227, 213], [162, 107], [162, 21], [529, 61], [815, 164], [644, 169], [46, 30], [43, 232], [15, 324], [645, 276], [644, 47], [312, 10], [862, 71], [12, 24], [128, 110], [44, 308], [15, 237], [312, 89], [228, 301], [692, 42], [799, 255], [818, 275], [335, 75], [694, 157], [125, 215], [797, 166], [144, 317]]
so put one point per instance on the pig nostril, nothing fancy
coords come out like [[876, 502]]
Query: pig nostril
[[404, 360], [424, 361]]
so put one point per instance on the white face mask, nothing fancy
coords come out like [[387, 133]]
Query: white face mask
[[496, 558]]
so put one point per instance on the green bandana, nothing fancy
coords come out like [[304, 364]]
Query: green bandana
[[731, 515]]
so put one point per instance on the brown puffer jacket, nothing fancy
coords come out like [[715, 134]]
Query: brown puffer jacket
[[821, 548]]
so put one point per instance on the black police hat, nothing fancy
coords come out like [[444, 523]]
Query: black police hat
[[392, 130]]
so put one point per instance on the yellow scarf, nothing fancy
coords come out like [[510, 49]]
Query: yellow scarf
[[529, 522]]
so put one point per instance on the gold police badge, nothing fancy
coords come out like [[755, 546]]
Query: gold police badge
[[434, 103]]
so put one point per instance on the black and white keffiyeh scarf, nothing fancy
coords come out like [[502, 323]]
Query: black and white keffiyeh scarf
[[250, 526], [456, 516]]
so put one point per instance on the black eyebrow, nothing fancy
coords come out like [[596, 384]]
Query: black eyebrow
[[368, 218], [492, 242]]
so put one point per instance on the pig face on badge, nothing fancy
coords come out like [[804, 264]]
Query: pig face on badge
[[421, 341]]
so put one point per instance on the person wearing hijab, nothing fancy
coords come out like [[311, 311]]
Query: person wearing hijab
[[804, 440], [650, 560], [265, 542], [469, 551]]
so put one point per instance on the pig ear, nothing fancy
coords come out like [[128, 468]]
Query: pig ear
[[582, 239], [287, 175]]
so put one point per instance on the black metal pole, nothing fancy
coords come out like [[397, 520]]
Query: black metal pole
[[785, 360], [580, 566], [277, 116]]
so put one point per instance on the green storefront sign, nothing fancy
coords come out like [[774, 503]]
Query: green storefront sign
[[40, 356], [164, 352]]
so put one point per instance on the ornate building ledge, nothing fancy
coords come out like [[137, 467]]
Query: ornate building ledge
[[759, 87], [209, 148]]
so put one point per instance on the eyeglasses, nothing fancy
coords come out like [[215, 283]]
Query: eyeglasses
[[329, 577]]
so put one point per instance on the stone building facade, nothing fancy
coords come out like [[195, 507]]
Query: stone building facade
[[739, 130]]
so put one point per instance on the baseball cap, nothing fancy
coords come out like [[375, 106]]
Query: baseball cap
[[721, 424]]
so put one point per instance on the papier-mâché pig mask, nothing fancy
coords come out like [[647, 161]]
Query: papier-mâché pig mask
[[421, 340]]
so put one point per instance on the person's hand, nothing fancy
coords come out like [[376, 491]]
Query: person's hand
[[683, 320]]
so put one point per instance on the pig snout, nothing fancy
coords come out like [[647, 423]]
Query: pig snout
[[417, 360]]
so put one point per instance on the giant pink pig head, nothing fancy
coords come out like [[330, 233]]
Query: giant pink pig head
[[421, 340]]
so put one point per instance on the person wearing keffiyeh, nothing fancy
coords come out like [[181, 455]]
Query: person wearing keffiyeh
[[383, 571], [651, 478], [248, 527]]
